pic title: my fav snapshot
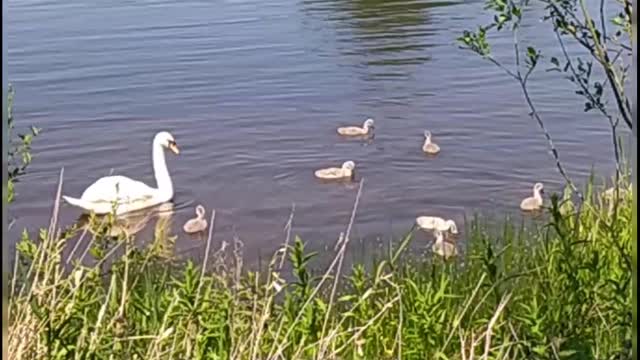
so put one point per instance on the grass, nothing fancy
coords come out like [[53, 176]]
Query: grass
[[558, 291]]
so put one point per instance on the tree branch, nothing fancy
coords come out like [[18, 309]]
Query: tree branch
[[603, 58], [536, 116], [603, 22], [499, 65]]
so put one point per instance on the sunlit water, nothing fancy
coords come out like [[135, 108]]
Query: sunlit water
[[253, 92]]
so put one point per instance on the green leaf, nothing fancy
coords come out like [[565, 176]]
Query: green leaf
[[26, 247], [618, 21], [403, 245], [531, 51], [347, 298], [380, 269], [516, 11], [540, 350], [566, 353]]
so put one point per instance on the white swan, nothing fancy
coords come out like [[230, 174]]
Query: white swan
[[356, 130], [124, 194], [333, 173], [533, 202], [443, 248], [429, 147], [610, 192], [196, 224], [436, 223]]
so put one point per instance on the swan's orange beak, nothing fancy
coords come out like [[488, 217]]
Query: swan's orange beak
[[174, 147]]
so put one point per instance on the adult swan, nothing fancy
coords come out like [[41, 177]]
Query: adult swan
[[123, 194]]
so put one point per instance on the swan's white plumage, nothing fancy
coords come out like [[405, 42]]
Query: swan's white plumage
[[436, 223], [196, 224], [125, 194], [334, 173], [429, 146], [534, 202], [367, 126], [443, 248]]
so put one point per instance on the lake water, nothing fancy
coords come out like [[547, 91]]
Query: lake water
[[253, 92]]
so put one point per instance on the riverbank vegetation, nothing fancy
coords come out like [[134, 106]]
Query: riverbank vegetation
[[558, 291]]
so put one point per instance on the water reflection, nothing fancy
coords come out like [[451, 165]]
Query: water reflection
[[386, 36], [128, 225]]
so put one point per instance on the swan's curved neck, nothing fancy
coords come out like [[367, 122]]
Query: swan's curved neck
[[165, 186], [537, 195]]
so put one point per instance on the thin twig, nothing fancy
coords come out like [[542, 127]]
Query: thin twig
[[206, 255], [458, 319], [339, 269], [536, 116], [504, 68], [287, 239], [603, 58], [364, 327], [591, 98], [77, 244], [276, 351], [599, 53], [56, 207], [494, 319], [603, 22]]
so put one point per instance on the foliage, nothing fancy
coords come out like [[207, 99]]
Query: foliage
[[19, 149], [607, 45], [558, 291]]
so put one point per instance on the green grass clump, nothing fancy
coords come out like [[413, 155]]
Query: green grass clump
[[559, 291]]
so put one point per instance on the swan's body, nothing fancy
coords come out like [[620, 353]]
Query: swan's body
[[333, 173], [610, 192], [367, 126], [609, 196], [436, 223], [123, 194], [443, 248], [533, 202], [429, 147], [196, 224]]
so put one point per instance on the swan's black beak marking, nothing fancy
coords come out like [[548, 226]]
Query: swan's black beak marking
[[173, 146]]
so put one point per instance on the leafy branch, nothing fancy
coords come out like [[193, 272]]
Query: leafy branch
[[571, 20], [19, 149], [509, 13]]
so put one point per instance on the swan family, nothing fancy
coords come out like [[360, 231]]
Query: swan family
[[121, 195]]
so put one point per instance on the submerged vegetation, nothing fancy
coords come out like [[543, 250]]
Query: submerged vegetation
[[560, 291]]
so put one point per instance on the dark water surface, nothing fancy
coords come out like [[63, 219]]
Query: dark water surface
[[253, 92]]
